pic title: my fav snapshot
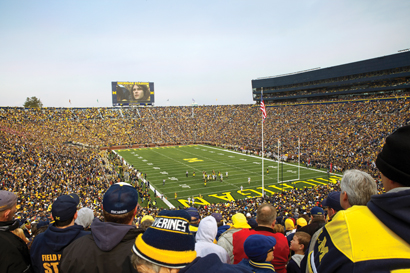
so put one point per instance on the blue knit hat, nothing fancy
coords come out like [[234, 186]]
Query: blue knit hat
[[120, 198], [257, 246], [167, 242]]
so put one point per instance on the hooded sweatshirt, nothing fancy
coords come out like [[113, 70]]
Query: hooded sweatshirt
[[48, 246], [106, 249], [205, 236]]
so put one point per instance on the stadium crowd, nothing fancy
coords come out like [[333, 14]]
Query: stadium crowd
[[52, 152]]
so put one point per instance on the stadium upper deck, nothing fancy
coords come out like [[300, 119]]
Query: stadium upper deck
[[387, 75]]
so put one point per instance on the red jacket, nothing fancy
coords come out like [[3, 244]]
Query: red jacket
[[281, 253]]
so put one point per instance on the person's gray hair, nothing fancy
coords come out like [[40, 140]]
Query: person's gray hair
[[359, 186], [137, 261]]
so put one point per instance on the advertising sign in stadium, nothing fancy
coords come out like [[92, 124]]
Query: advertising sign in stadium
[[132, 93]]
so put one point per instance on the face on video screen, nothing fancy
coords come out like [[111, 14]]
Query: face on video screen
[[138, 92]]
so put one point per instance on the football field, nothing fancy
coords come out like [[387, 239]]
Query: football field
[[172, 162]]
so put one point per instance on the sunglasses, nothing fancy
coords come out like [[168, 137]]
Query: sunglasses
[[270, 250]]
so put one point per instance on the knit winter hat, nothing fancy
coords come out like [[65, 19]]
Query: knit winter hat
[[167, 242], [257, 246], [394, 160]]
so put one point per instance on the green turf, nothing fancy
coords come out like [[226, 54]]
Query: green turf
[[172, 162]]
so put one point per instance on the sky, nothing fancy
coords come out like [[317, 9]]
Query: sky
[[206, 51]]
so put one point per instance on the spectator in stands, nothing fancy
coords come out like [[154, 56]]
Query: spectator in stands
[[146, 222], [107, 249], [385, 247], [298, 245], [58, 236], [195, 219], [205, 237], [356, 188], [221, 227], [266, 218], [171, 248], [317, 221], [239, 222], [14, 255], [260, 252], [20, 233], [290, 226], [26, 227], [85, 217]]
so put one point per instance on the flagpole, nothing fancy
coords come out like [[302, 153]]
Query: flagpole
[[263, 184]]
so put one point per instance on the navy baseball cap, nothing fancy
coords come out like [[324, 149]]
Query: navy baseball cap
[[333, 201], [120, 198], [317, 211], [193, 212], [64, 208], [217, 216]]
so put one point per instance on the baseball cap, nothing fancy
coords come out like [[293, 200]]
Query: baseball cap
[[193, 212], [317, 211], [217, 216], [64, 208], [333, 201], [7, 200], [120, 198]]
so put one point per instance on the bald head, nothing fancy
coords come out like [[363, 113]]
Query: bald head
[[266, 215]]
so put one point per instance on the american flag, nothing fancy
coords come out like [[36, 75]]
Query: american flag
[[263, 109]]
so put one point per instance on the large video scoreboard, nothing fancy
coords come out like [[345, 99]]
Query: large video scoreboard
[[132, 93]]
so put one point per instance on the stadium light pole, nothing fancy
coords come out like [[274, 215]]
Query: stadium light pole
[[263, 182]]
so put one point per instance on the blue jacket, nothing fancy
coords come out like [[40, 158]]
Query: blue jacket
[[212, 264], [264, 267], [48, 246], [372, 238]]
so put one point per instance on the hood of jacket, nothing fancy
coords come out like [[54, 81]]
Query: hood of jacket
[[207, 230], [108, 235], [9, 225], [298, 258], [392, 208], [239, 221], [58, 238]]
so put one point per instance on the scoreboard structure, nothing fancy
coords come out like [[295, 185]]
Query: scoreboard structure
[[132, 93]]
